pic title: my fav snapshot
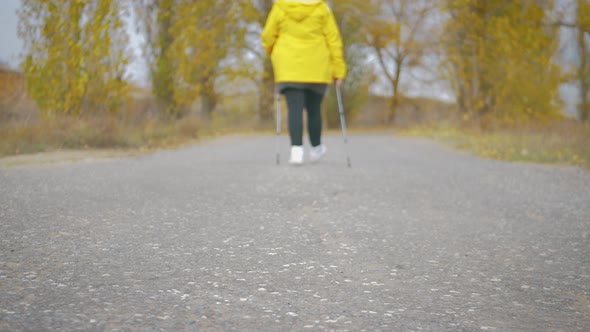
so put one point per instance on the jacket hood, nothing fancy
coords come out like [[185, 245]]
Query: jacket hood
[[299, 9]]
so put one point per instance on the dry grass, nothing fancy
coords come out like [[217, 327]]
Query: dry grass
[[141, 126], [565, 142], [94, 133]]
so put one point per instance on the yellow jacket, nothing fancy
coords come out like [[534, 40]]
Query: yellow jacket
[[304, 42]]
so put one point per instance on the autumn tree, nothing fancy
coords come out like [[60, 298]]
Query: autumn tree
[[397, 32], [499, 58], [75, 55], [351, 18], [154, 20], [186, 45], [575, 16], [254, 14], [202, 42]]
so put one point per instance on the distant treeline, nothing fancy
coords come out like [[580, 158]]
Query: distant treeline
[[498, 58]]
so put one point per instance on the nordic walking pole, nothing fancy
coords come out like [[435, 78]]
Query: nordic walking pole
[[278, 128], [343, 123]]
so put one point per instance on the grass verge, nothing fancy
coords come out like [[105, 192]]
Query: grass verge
[[565, 143], [97, 133]]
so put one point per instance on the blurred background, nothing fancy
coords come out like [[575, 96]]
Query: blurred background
[[513, 76]]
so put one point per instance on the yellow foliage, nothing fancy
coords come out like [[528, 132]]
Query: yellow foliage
[[201, 42], [75, 55], [583, 10], [187, 43], [500, 55]]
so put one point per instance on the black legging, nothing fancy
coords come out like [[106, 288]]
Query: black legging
[[297, 99]]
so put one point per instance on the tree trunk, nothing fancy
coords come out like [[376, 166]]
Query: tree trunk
[[208, 103], [208, 97], [393, 106], [163, 75]]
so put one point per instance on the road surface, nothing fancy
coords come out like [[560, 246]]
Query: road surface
[[216, 237]]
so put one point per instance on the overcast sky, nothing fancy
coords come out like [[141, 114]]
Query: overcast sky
[[10, 44]]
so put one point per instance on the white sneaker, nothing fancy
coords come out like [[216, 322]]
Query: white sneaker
[[296, 155], [317, 152]]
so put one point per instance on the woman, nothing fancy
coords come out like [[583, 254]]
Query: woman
[[303, 41]]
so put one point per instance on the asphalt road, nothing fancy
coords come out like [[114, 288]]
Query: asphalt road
[[216, 237]]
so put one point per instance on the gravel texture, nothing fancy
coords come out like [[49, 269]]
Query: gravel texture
[[216, 237]]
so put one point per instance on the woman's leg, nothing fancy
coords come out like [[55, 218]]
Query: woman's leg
[[313, 103], [295, 103]]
